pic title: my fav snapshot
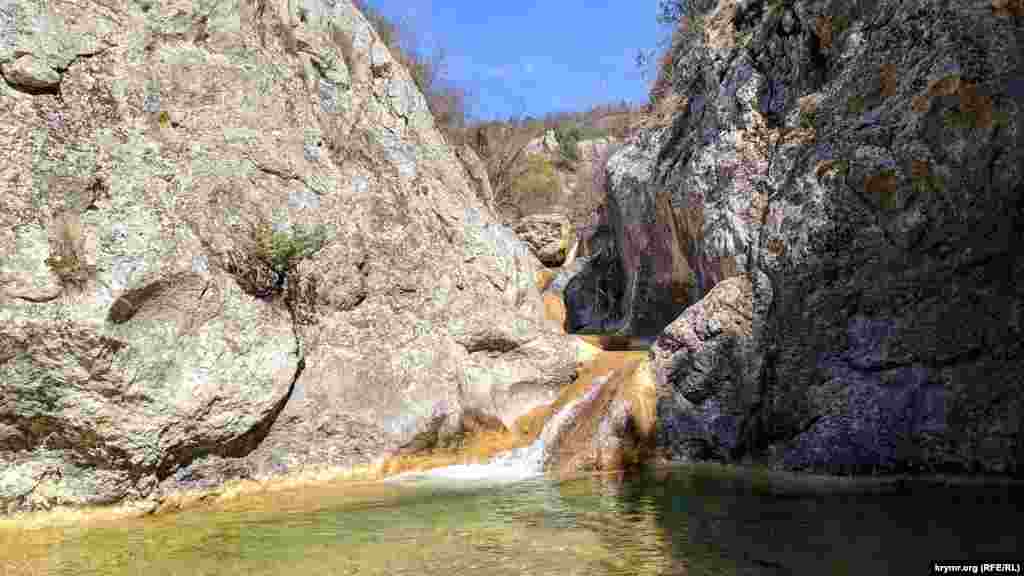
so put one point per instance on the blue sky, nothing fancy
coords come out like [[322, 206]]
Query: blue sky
[[535, 56]]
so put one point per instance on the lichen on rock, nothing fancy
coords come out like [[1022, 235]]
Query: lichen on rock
[[194, 349], [865, 158]]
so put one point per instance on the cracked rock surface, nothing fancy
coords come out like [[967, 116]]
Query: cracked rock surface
[[144, 343], [866, 157]]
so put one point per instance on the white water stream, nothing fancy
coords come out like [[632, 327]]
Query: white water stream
[[518, 464]]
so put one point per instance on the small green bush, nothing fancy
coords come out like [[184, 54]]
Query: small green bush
[[840, 24], [263, 265], [283, 250], [568, 137], [67, 248], [957, 119], [743, 39], [855, 104], [807, 120], [537, 180], [927, 184]]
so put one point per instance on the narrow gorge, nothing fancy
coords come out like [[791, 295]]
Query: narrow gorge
[[235, 245]]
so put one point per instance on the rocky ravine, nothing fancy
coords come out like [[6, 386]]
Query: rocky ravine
[[838, 195], [233, 243]]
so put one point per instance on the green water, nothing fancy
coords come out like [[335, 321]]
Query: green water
[[680, 521]]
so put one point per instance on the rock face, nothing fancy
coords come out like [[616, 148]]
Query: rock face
[[605, 420], [866, 157], [708, 363], [639, 280], [549, 237], [233, 242], [477, 173]]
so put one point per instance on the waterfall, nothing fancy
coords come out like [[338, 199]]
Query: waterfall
[[520, 463]]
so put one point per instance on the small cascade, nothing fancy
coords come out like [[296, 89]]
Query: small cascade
[[520, 463]]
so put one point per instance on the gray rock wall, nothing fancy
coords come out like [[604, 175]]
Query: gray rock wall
[[232, 242], [866, 157]]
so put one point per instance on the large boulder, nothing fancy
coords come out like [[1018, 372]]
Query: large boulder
[[233, 233], [866, 157], [549, 236], [708, 366]]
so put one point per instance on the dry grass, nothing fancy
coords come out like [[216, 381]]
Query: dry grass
[[67, 249]]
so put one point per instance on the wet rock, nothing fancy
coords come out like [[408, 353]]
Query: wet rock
[[882, 197], [639, 274], [611, 425], [708, 365]]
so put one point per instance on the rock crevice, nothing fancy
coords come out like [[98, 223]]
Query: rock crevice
[[863, 159]]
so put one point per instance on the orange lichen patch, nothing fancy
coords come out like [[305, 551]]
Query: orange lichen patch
[[920, 103], [975, 109], [554, 308], [919, 169], [976, 106], [543, 278], [824, 167], [823, 26], [888, 80], [1008, 8], [946, 86], [883, 186]]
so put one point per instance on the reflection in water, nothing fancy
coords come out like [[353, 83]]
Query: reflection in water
[[698, 520]]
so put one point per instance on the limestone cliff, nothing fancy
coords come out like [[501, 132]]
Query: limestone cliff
[[857, 167], [232, 242]]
